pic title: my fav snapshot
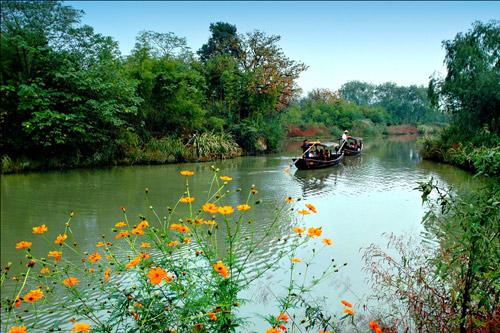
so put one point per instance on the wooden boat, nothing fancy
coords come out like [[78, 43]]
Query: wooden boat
[[353, 146], [307, 161]]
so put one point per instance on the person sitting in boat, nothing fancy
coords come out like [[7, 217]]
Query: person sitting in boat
[[321, 154], [327, 154]]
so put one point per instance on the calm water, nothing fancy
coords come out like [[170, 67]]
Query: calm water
[[357, 201]]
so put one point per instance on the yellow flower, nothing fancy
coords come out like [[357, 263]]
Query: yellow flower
[[327, 241], [145, 245], [133, 262], [81, 327], [180, 228], [243, 207], [314, 232], [304, 212], [226, 210], [311, 207], [226, 178], [143, 224], [348, 311], [186, 240], [41, 229], [23, 245], [120, 224], [186, 199], [106, 274], [173, 243], [156, 275], [60, 239], [299, 230], [45, 270], [71, 281], [33, 296], [210, 208], [18, 329], [296, 260], [122, 234], [100, 244], [220, 268], [187, 173], [289, 200], [55, 254], [94, 257], [137, 231]]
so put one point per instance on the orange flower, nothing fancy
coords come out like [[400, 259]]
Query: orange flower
[[145, 245], [144, 255], [186, 199], [295, 260], [282, 317], [91, 270], [33, 296], [348, 311], [122, 234], [60, 239], [273, 330], [18, 329], [210, 208], [133, 262], [56, 254], [298, 230], [180, 228], [304, 212], [23, 245], [186, 240], [327, 241], [226, 210], [169, 278], [212, 316], [143, 224], [314, 232], [137, 231], [289, 200], [41, 229], [120, 224], [243, 207], [374, 326], [311, 207], [173, 243], [220, 268], [187, 173], [100, 244], [71, 281], [106, 274], [45, 270], [94, 257], [156, 275], [346, 303], [18, 301], [323, 331], [81, 327], [226, 178]]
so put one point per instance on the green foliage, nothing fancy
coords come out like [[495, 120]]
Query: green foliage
[[470, 92], [223, 41], [213, 145], [323, 108], [403, 104], [466, 230]]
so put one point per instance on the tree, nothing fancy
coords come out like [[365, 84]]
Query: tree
[[470, 92], [159, 45], [223, 41]]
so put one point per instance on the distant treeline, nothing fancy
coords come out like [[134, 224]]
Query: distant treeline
[[69, 98]]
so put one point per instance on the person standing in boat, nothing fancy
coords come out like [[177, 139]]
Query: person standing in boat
[[305, 146], [344, 136]]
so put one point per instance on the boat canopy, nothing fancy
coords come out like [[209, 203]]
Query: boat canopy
[[324, 144]]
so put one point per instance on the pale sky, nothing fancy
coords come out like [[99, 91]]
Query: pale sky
[[340, 41]]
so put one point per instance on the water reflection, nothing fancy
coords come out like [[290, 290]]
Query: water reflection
[[357, 201]]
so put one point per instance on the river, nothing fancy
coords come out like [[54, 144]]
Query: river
[[357, 202]]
